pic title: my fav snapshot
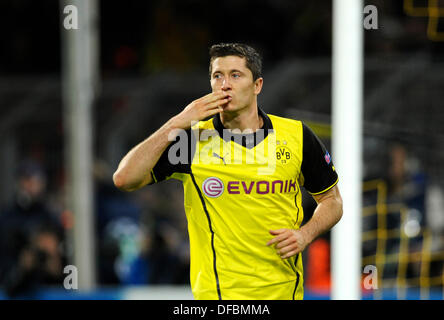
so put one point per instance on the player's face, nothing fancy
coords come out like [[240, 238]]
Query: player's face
[[231, 75]]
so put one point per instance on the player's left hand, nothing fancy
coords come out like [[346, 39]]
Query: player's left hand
[[288, 242]]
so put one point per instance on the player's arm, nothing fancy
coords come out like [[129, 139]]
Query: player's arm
[[134, 170], [328, 212], [319, 177]]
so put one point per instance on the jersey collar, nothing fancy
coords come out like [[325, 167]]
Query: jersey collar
[[248, 140]]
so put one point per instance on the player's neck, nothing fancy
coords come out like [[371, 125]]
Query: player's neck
[[244, 119]]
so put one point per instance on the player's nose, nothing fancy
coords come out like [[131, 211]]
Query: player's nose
[[225, 85]]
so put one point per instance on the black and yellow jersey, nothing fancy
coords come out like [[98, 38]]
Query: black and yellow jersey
[[237, 187]]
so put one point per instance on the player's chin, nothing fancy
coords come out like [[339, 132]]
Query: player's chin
[[228, 106]]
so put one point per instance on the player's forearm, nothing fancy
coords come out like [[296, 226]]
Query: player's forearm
[[134, 170], [290, 242], [326, 215]]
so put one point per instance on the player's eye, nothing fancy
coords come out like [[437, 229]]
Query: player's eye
[[217, 76], [236, 75]]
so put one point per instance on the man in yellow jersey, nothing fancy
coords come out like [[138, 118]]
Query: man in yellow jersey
[[242, 171]]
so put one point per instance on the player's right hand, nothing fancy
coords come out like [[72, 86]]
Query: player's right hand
[[201, 108]]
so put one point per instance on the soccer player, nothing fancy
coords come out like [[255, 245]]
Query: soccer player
[[242, 171]]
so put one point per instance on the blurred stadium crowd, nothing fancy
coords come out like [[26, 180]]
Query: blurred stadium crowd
[[153, 63]]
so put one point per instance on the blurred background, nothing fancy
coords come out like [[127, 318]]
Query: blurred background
[[153, 61]]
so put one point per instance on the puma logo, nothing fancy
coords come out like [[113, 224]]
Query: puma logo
[[218, 156]]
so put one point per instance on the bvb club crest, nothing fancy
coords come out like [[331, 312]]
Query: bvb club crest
[[283, 153]]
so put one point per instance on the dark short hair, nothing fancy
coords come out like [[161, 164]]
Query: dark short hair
[[252, 57]]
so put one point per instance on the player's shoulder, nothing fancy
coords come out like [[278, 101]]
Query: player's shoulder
[[203, 125], [284, 123]]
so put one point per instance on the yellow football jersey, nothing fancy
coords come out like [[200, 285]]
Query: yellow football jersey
[[238, 187]]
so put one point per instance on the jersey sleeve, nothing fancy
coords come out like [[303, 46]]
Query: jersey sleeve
[[317, 169], [176, 158]]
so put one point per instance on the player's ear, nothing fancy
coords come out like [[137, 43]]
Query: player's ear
[[258, 85]]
